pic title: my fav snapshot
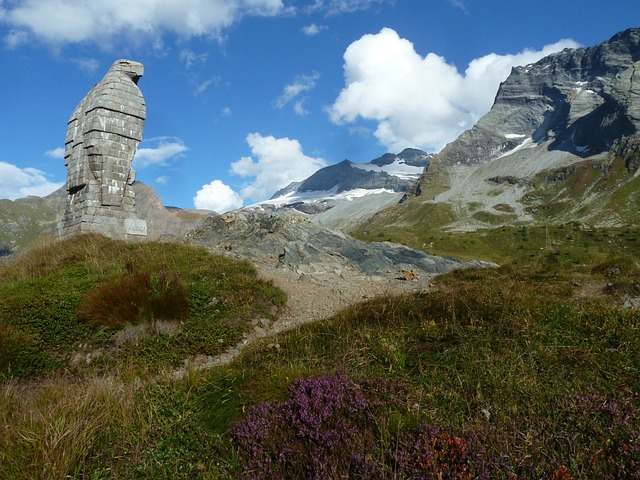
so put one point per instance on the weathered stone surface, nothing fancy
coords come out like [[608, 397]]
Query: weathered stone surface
[[288, 239], [103, 134], [581, 100]]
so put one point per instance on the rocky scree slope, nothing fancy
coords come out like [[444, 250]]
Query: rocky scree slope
[[561, 143]]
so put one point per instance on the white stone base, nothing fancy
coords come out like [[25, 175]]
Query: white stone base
[[135, 226]]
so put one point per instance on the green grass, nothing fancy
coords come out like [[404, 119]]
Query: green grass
[[530, 358], [70, 299], [23, 221], [571, 243], [519, 342]]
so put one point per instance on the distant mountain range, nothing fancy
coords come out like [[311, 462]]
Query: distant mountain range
[[346, 193], [560, 144], [392, 172]]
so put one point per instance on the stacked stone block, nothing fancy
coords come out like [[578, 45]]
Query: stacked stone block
[[103, 135]]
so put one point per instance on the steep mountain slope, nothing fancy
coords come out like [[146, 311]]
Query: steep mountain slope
[[559, 144]]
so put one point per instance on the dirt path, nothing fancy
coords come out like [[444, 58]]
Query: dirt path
[[311, 297]]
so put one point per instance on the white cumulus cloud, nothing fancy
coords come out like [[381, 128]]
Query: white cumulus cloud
[[18, 182], [159, 151], [278, 162], [218, 197], [274, 164], [418, 101], [74, 21]]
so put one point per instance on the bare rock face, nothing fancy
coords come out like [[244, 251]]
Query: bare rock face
[[289, 240], [103, 134], [559, 144], [580, 100]]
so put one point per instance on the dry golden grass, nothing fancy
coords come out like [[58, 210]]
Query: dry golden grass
[[55, 428]]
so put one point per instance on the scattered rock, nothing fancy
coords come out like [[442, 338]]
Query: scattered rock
[[409, 275], [632, 303]]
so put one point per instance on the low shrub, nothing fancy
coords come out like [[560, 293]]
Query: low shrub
[[336, 426], [319, 432], [137, 297]]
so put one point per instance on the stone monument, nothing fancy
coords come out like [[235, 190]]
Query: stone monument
[[103, 134]]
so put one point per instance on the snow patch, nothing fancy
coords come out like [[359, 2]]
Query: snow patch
[[528, 143], [332, 194], [398, 169], [514, 135]]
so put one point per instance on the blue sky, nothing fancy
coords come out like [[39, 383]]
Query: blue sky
[[245, 96]]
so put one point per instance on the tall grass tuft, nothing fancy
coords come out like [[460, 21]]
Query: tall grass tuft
[[137, 297], [57, 429]]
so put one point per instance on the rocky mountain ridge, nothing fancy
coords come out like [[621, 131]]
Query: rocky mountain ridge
[[396, 172], [559, 144], [345, 194]]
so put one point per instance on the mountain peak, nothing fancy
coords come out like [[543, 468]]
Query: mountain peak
[[572, 113]]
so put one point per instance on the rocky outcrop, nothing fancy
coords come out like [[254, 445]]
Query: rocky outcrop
[[580, 100], [409, 156], [103, 134], [288, 239]]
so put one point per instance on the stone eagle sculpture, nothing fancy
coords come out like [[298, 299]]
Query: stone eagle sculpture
[[103, 135]]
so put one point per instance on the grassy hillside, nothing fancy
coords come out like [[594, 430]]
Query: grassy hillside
[[600, 191], [91, 304], [23, 221], [526, 371], [575, 243]]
